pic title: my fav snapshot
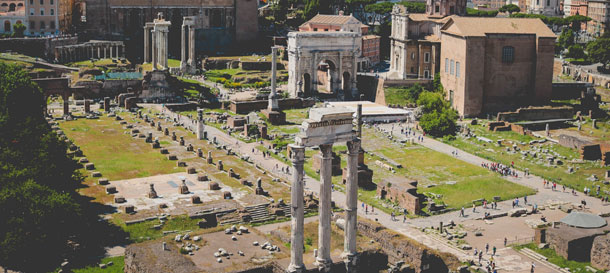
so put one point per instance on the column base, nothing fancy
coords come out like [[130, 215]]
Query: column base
[[323, 265], [292, 268], [351, 260]]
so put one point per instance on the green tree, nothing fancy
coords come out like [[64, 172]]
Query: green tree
[[414, 7], [280, 11], [576, 21], [436, 83], [599, 50], [381, 12], [37, 179], [313, 7], [566, 39], [510, 8], [438, 118], [18, 30], [576, 52], [480, 13]]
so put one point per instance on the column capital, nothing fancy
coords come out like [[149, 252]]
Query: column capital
[[297, 153], [326, 150], [353, 146]]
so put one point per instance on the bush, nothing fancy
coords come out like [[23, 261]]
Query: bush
[[480, 13], [438, 118]]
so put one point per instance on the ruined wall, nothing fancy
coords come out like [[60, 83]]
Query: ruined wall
[[150, 258], [572, 243], [36, 47], [537, 113], [245, 107], [572, 142], [405, 195], [399, 247], [600, 252]]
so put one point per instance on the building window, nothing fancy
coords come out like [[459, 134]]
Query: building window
[[548, 2], [452, 67], [427, 57], [508, 54], [41, 2], [436, 8], [51, 2], [52, 25], [41, 11], [42, 26], [426, 74], [325, 29], [52, 12], [446, 65], [457, 69], [32, 11], [31, 2], [537, 2], [32, 25]]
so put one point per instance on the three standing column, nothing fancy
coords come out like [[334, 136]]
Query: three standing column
[[323, 260], [182, 47], [297, 213]]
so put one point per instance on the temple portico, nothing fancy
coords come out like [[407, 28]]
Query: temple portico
[[93, 49], [325, 127], [159, 29]]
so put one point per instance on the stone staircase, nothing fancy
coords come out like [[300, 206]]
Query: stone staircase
[[259, 213], [541, 259]]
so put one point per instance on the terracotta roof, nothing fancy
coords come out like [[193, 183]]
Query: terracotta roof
[[478, 27], [329, 19]]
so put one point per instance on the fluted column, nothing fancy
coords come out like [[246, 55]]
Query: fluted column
[[155, 49], [146, 44], [183, 45], [296, 225], [351, 205], [323, 260], [192, 58], [116, 55], [165, 48]]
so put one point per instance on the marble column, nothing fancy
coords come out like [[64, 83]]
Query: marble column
[[116, 55], [200, 133], [351, 205], [155, 48], [273, 103], [111, 49], [183, 45], [99, 52], [323, 260], [66, 105], [296, 196], [192, 58], [165, 42], [146, 44], [105, 52]]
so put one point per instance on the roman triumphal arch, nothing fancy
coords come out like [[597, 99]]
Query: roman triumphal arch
[[323, 62]]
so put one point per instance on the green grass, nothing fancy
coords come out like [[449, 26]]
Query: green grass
[[431, 167], [559, 174], [115, 154], [558, 260], [116, 267], [144, 231], [396, 95]]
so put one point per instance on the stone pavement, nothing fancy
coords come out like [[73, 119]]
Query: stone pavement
[[409, 229]]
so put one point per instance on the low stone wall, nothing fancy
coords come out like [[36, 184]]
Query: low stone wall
[[245, 107], [108, 88], [568, 90], [36, 47], [572, 243], [572, 142], [585, 74], [263, 66], [405, 195], [600, 252], [401, 248], [537, 113], [151, 258]]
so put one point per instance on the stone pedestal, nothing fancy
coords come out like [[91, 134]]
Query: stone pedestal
[[87, 106], [275, 117], [107, 104]]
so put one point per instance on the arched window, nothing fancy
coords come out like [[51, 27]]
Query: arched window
[[12, 7], [7, 26], [508, 54], [41, 2]]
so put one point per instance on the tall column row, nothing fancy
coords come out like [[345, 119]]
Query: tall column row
[[323, 258], [86, 51]]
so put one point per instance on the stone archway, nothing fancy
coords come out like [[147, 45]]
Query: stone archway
[[336, 51]]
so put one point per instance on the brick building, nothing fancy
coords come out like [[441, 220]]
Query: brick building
[[599, 11], [415, 40], [580, 7], [544, 7], [369, 45], [495, 64]]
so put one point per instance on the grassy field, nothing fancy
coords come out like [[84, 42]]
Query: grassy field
[[433, 169], [577, 180], [144, 231], [118, 264], [396, 95], [558, 260], [114, 153]]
